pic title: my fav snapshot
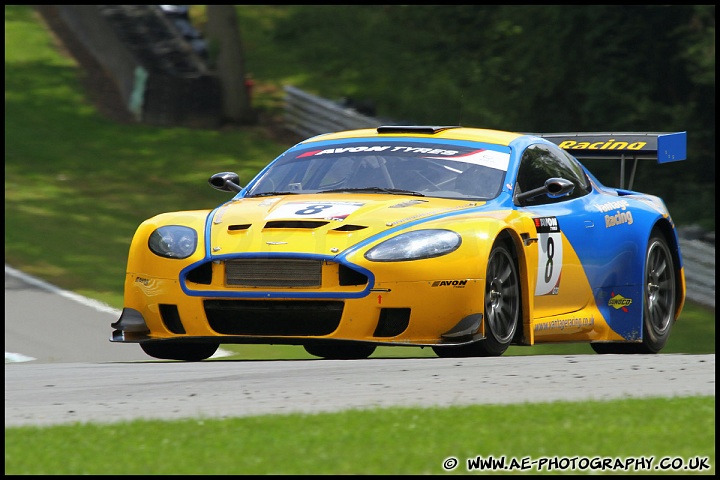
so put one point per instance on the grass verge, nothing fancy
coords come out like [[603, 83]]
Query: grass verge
[[385, 441]]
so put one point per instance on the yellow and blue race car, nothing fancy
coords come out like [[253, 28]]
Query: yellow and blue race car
[[463, 240]]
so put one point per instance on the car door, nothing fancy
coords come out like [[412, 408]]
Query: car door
[[566, 230]]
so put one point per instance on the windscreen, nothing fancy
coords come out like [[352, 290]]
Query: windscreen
[[438, 169]]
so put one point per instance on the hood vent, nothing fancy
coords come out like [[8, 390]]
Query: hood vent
[[295, 224], [409, 203], [235, 228], [349, 228]]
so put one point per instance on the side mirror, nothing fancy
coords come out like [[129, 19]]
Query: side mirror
[[553, 188], [226, 182]]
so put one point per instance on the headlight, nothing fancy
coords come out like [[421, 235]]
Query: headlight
[[173, 241], [415, 245]]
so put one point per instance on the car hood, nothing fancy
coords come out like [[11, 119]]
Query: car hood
[[317, 224]]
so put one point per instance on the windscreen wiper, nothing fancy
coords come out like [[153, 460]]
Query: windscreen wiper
[[393, 191], [270, 194]]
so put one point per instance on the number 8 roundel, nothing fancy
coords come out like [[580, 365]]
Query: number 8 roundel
[[550, 256]]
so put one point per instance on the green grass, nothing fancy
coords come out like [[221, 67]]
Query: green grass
[[375, 441], [77, 186]]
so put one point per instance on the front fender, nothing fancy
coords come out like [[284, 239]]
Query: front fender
[[142, 260], [478, 232]]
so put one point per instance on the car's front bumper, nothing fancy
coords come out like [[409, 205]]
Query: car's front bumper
[[403, 312]]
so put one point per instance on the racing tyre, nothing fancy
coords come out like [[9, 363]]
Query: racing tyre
[[186, 351], [502, 303], [659, 302], [502, 309], [340, 351]]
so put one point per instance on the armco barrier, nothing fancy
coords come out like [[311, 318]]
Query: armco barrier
[[699, 261], [308, 115]]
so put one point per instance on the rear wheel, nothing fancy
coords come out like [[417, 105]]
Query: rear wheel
[[502, 309], [186, 351], [339, 351], [659, 302]]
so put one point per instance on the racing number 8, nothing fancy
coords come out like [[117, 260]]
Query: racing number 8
[[312, 209], [549, 264]]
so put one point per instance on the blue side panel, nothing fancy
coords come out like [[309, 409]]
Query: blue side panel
[[672, 147], [610, 238], [622, 308]]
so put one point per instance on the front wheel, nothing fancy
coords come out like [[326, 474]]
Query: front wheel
[[502, 309], [659, 302], [502, 303], [185, 351]]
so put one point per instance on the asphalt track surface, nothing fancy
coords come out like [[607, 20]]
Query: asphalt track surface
[[61, 368]]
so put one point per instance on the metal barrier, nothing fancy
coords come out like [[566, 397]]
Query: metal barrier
[[699, 262], [309, 115]]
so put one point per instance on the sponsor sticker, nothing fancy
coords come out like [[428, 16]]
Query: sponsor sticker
[[550, 256], [619, 302], [324, 210], [449, 283]]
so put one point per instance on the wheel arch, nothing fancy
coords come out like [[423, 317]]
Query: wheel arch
[[512, 240], [665, 229]]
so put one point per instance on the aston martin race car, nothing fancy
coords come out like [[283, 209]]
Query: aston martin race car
[[463, 240]]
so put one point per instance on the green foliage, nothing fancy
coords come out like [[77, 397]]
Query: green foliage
[[390, 441]]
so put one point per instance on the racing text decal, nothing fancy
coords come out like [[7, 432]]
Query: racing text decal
[[611, 144], [574, 323], [621, 216], [380, 148], [550, 256], [449, 283]]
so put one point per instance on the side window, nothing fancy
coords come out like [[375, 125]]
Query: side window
[[540, 162]]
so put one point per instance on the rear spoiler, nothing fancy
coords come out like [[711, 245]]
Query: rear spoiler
[[663, 147]]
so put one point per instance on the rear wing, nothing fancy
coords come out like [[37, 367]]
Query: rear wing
[[663, 147]]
